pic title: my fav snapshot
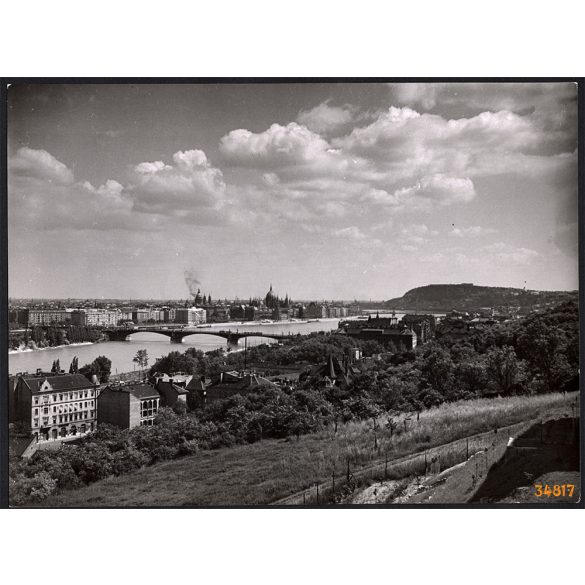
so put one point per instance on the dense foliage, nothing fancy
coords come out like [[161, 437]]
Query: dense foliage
[[52, 336], [100, 367]]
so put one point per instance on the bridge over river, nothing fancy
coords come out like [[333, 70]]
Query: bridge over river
[[176, 335]]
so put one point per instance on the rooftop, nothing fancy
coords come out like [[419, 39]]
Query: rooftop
[[57, 381], [140, 390]]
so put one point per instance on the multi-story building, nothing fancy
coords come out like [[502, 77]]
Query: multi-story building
[[125, 315], [156, 314], [140, 315], [384, 330], [55, 406], [48, 316], [169, 314], [422, 325], [218, 313], [192, 316], [95, 317], [315, 311], [128, 405]]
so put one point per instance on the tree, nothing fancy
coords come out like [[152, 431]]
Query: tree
[[503, 369], [100, 367], [74, 367], [141, 358], [544, 346], [437, 369], [174, 362]]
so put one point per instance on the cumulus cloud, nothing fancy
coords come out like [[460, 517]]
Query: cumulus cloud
[[415, 235], [43, 192], [405, 137], [515, 97], [426, 193], [419, 229], [192, 187], [508, 254], [281, 147], [326, 118], [151, 167], [470, 231], [355, 235], [39, 164]]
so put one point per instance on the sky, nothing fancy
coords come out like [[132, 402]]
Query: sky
[[325, 190]]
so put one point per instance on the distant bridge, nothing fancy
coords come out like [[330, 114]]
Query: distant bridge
[[177, 335]]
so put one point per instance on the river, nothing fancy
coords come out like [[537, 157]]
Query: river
[[122, 352]]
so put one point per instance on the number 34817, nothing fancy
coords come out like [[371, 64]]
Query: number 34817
[[555, 491]]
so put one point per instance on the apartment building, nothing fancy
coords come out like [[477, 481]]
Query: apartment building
[[55, 406]]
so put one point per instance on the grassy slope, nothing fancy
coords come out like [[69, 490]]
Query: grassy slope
[[269, 470]]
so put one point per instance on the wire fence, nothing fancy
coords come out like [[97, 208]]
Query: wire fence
[[482, 450]]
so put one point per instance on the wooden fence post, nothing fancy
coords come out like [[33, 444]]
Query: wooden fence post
[[386, 466], [467, 448], [317, 485], [333, 487], [348, 470]]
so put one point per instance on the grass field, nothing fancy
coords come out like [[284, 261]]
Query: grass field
[[264, 472]]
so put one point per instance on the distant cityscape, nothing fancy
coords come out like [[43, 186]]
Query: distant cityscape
[[199, 310]]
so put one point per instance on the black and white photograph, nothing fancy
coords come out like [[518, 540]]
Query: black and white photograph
[[293, 293]]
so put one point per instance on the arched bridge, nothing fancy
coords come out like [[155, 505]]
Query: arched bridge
[[177, 335]]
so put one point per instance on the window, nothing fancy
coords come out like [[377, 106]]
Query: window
[[54, 409], [60, 396], [46, 410], [36, 411], [36, 422], [54, 420], [36, 399]]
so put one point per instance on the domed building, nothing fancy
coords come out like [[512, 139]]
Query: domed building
[[271, 299]]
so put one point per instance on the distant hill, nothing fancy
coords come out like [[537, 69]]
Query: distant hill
[[467, 297]]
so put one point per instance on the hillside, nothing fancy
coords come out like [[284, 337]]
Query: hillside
[[468, 297], [269, 470]]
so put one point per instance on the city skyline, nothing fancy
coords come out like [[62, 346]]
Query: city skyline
[[331, 190]]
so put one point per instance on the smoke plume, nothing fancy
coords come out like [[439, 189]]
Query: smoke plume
[[191, 281]]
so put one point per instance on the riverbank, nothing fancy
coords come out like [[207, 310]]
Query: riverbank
[[32, 349]]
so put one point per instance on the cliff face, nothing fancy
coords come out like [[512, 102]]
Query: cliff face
[[444, 297]]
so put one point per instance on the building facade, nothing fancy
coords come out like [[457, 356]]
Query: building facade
[[95, 317], [128, 405], [47, 316], [315, 311], [191, 316], [55, 406]]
